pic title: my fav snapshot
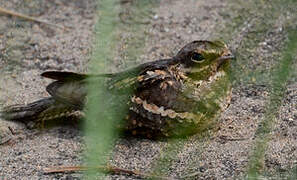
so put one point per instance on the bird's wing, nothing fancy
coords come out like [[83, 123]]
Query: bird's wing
[[71, 88], [72, 93], [64, 75], [130, 79]]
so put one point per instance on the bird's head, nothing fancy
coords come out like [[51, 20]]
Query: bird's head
[[202, 59]]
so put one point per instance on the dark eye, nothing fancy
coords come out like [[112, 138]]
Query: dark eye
[[197, 57]]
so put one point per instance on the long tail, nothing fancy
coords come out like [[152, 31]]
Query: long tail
[[44, 109], [28, 112]]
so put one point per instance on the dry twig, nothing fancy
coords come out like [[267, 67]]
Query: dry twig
[[29, 18], [109, 169]]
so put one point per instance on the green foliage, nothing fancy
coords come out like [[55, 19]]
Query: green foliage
[[279, 78], [106, 110], [100, 119]]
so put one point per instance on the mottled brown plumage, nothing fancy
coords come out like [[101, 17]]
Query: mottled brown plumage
[[171, 97]]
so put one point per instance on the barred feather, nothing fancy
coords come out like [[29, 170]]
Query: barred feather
[[41, 110]]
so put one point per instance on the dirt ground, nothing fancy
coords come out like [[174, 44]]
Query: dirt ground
[[257, 31]]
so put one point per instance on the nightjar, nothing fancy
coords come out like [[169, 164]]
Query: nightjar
[[174, 97]]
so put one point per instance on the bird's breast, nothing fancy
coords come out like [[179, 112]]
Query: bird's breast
[[167, 103]]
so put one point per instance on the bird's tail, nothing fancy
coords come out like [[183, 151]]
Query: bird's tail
[[27, 112], [41, 110]]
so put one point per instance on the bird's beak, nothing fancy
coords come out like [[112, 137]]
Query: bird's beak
[[226, 57]]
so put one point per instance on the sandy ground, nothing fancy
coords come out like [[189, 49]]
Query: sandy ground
[[257, 32]]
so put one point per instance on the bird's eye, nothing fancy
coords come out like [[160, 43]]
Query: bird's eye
[[197, 57]]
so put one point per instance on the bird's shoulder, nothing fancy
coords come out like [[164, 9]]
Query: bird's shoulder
[[140, 75]]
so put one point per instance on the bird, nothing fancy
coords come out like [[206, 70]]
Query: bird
[[174, 97]]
